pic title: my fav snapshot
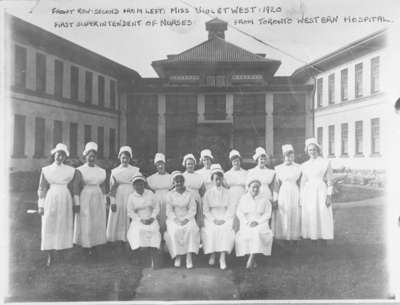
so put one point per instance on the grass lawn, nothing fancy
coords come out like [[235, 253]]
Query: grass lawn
[[350, 193], [352, 266]]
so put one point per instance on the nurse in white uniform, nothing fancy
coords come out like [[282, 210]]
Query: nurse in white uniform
[[218, 208], [254, 212], [206, 158], [262, 173], [182, 236], [316, 195], [235, 179], [120, 189], [144, 230], [160, 183], [286, 218], [194, 183], [56, 204], [90, 223]]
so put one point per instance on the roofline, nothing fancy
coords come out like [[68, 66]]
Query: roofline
[[11, 20], [338, 54]]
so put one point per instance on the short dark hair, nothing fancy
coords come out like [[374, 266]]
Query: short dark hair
[[397, 105], [219, 174]]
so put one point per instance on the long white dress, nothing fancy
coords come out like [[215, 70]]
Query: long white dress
[[143, 207], [217, 205], [206, 175], [286, 219], [236, 181], [90, 222], [257, 239], [266, 177], [161, 184], [316, 217], [121, 188], [56, 199], [193, 183], [180, 239]]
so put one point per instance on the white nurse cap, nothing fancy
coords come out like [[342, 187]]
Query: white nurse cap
[[90, 146], [60, 147]]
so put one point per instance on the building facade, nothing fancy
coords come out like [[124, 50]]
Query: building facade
[[219, 96], [60, 92], [350, 103]]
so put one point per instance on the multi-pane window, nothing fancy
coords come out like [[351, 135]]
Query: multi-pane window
[[74, 83], [58, 77], [87, 133], [40, 72], [344, 84], [19, 136], [57, 132], [331, 139], [331, 89], [100, 90], [359, 137], [319, 92], [73, 139], [358, 79], [345, 139], [100, 142], [39, 137], [320, 135], [112, 94], [112, 151], [215, 107], [20, 67], [375, 136], [88, 87], [375, 74]]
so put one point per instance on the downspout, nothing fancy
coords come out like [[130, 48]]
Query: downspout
[[313, 104]]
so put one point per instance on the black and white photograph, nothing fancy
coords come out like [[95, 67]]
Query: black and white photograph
[[185, 150]]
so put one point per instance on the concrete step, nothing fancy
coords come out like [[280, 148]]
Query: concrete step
[[184, 284]]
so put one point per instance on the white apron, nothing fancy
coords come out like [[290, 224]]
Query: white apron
[[180, 239], [286, 218], [258, 239], [57, 221], [316, 217], [90, 222], [118, 222], [218, 205]]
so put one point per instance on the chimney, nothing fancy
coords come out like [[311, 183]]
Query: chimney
[[216, 27]]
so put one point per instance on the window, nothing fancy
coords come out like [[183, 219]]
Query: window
[[112, 143], [87, 133], [73, 139], [220, 81], [20, 67], [375, 136], [331, 89], [74, 83], [331, 139], [319, 92], [345, 139], [58, 77], [57, 133], [215, 107], [320, 135], [100, 90], [39, 137], [88, 87], [100, 142], [359, 137], [251, 104], [358, 77], [40, 72], [344, 84], [19, 136], [210, 81], [374, 74], [112, 94]]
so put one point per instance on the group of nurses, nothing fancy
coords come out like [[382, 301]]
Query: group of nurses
[[205, 208]]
